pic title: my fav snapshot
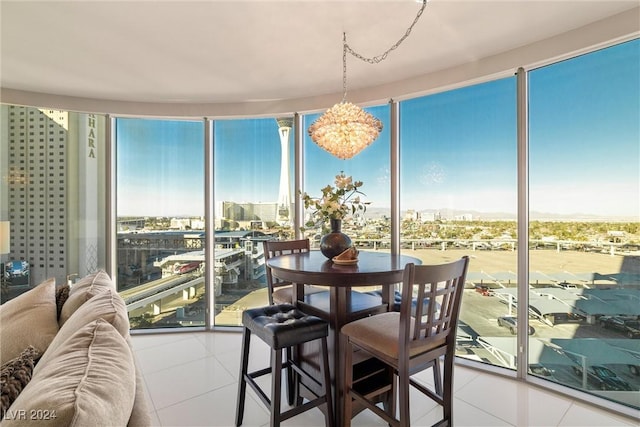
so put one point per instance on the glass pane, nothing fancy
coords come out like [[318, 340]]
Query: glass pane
[[253, 185], [369, 230], [459, 197], [160, 215], [54, 164], [585, 231]]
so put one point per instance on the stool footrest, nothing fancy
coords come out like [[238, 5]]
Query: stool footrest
[[250, 379], [305, 374], [261, 372], [261, 394], [302, 408]]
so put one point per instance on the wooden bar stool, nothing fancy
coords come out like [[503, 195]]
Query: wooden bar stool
[[283, 327]]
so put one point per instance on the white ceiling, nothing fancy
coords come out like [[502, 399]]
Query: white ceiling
[[260, 55]]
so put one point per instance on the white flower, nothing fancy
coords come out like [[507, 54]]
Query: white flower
[[343, 181], [336, 202]]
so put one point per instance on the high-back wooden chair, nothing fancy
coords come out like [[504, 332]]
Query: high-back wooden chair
[[409, 343], [279, 291]]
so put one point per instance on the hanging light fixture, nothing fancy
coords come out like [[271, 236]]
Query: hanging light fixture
[[345, 129]]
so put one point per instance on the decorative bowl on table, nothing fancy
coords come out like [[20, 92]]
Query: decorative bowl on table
[[347, 257]]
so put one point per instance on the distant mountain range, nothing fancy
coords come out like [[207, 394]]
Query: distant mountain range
[[375, 213]]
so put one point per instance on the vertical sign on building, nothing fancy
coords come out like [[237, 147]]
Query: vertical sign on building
[[88, 197]]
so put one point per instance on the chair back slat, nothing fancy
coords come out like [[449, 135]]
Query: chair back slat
[[274, 248], [435, 292]]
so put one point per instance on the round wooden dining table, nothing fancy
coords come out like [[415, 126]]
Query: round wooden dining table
[[343, 303]]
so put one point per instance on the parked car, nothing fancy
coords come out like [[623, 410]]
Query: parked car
[[511, 323], [566, 285], [628, 326], [484, 290], [603, 378], [542, 371]]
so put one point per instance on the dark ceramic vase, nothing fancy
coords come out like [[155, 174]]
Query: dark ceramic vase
[[335, 242]]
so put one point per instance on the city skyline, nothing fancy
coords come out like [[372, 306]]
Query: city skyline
[[583, 137]]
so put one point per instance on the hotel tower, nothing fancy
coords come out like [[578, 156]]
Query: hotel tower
[[284, 195], [50, 168]]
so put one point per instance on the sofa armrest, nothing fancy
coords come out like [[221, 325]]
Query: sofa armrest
[[141, 413]]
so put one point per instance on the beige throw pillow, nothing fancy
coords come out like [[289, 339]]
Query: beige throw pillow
[[28, 319], [83, 290], [90, 381], [107, 305]]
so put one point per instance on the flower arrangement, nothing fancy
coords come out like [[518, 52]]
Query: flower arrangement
[[336, 202]]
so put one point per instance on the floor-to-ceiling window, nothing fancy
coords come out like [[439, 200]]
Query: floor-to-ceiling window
[[253, 175], [160, 221], [52, 164], [458, 188], [370, 230], [584, 231]]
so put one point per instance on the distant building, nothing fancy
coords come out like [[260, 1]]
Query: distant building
[[180, 223], [51, 163], [284, 195], [463, 217], [187, 224], [197, 224], [429, 216], [247, 215], [131, 224], [411, 215], [615, 236]]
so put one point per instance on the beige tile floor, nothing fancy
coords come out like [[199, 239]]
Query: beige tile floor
[[191, 381]]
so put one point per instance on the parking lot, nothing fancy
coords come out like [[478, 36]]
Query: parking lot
[[479, 318]]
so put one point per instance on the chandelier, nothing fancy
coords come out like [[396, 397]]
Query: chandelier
[[345, 129]]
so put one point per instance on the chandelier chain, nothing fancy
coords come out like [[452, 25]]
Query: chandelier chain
[[345, 129], [376, 59], [382, 57], [344, 66]]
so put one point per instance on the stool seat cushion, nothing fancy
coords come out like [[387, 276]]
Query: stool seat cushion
[[283, 325]]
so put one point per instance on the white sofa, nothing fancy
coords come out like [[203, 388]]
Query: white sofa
[[67, 359]]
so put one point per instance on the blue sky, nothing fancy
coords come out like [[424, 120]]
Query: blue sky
[[458, 149]]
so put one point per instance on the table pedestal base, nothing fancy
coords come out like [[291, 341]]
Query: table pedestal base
[[368, 373]]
